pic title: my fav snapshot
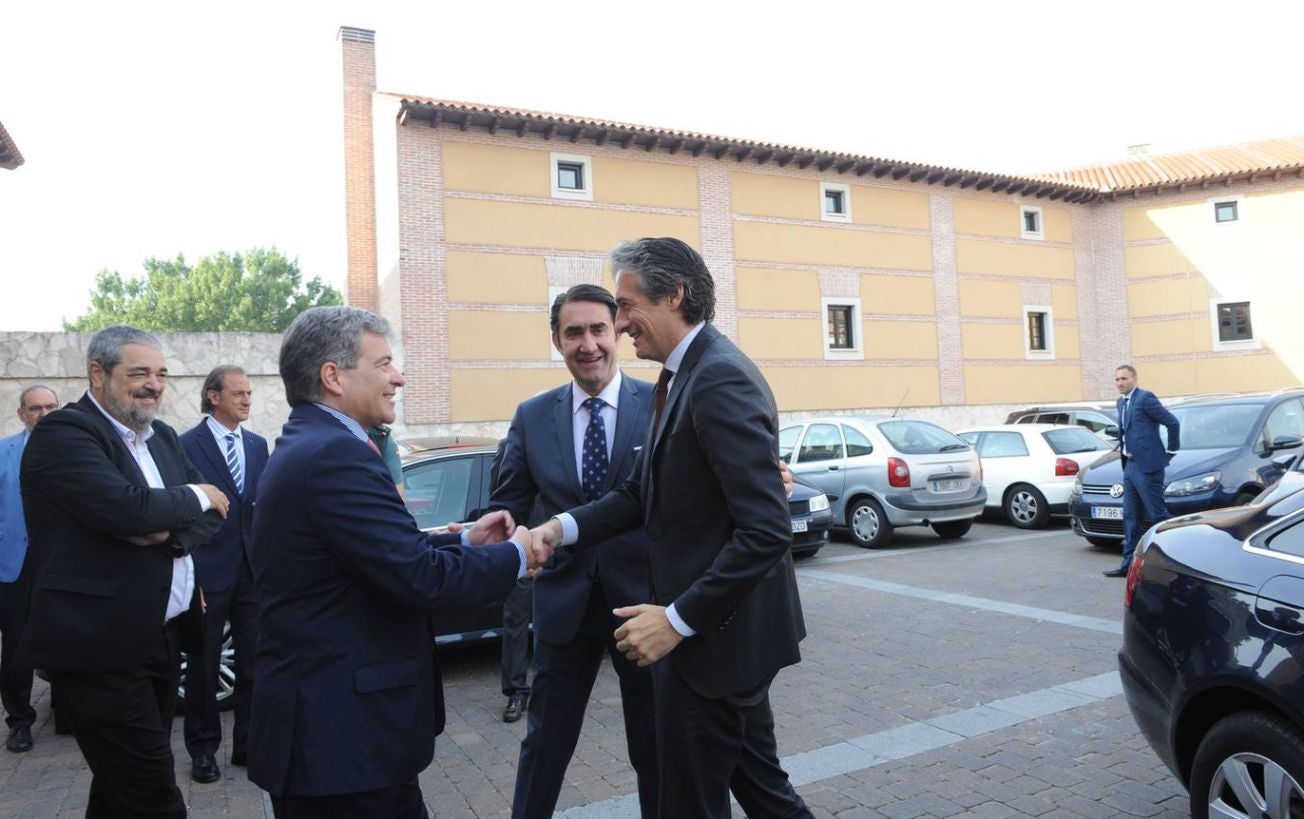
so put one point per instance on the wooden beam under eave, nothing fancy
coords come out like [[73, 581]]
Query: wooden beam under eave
[[999, 185], [719, 152], [625, 142], [522, 127], [493, 125], [984, 183], [402, 119], [577, 134], [698, 148], [968, 181], [951, 179], [1015, 187], [919, 174], [933, 176], [805, 161], [824, 164], [881, 170], [1057, 193], [550, 130], [786, 158], [676, 145], [434, 120], [652, 143], [602, 137], [844, 165], [864, 168], [764, 156], [466, 121], [897, 173], [744, 153]]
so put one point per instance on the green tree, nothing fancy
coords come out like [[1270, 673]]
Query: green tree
[[260, 291]]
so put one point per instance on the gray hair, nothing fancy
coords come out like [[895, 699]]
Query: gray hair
[[22, 396], [216, 382], [319, 335], [106, 346], [665, 264]]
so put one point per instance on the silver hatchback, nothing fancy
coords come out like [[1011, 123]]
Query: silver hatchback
[[881, 473]]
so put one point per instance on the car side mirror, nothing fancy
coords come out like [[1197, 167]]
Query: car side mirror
[[1285, 442], [1284, 461], [1111, 432]]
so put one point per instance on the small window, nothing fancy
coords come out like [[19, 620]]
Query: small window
[[842, 329], [822, 443], [1226, 211], [1038, 331], [788, 441], [1030, 222], [835, 202], [438, 491], [572, 176], [1289, 540], [1061, 418], [1067, 441], [1095, 422], [1234, 321], [857, 443], [1003, 445], [1286, 419]]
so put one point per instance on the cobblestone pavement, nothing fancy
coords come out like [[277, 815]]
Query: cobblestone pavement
[[970, 678]]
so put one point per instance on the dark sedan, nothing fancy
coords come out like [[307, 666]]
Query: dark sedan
[[1213, 655], [812, 519]]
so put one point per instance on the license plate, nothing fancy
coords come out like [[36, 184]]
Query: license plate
[[950, 485], [1107, 512], [799, 526]]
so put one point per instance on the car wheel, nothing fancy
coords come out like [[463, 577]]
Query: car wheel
[[1026, 507], [868, 524], [1105, 542], [1242, 498], [953, 529], [1249, 764], [225, 674]]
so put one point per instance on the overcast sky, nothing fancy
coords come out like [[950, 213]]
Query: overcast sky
[[156, 128]]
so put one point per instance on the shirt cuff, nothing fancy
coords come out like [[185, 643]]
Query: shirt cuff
[[204, 503], [570, 530], [466, 536], [520, 551], [678, 622]]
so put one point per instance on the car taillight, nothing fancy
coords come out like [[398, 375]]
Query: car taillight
[[1065, 467], [1133, 577], [898, 473]]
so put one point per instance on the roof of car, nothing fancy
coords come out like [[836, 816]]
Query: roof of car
[[425, 447], [1022, 428], [1244, 398]]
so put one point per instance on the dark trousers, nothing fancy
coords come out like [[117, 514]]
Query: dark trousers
[[563, 681], [203, 723], [709, 747], [1143, 505], [15, 680], [395, 802], [122, 721], [517, 609]]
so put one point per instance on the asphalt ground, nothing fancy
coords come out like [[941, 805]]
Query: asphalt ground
[[939, 678]]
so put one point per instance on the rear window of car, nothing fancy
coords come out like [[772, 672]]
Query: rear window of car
[[1003, 445], [919, 438], [1078, 439]]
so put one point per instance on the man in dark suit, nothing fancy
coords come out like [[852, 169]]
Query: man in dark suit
[[1140, 415], [726, 614], [565, 447], [233, 458], [347, 699], [113, 509]]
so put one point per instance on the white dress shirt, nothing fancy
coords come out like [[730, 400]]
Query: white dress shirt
[[580, 418]]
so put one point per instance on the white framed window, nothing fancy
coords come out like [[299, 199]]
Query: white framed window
[[842, 329], [1030, 222], [553, 353], [572, 176], [1232, 325], [1228, 210], [1038, 331], [835, 202]]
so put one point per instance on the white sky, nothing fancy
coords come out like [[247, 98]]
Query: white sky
[[151, 128]]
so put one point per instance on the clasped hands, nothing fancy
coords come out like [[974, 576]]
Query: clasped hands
[[498, 526]]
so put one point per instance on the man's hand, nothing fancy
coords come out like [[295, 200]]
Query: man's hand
[[548, 534], [647, 636], [216, 497], [536, 552], [152, 539], [786, 474], [495, 527]]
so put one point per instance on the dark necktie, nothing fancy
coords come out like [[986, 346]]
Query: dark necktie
[[659, 394], [233, 463], [594, 452]]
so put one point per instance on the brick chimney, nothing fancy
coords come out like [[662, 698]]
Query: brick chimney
[[358, 53]]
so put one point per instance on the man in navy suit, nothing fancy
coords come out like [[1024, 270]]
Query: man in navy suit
[[347, 700], [231, 458], [567, 446], [1140, 415], [34, 403]]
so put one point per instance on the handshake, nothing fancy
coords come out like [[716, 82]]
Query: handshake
[[494, 527]]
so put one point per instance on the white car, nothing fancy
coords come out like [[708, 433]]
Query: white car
[[1029, 469]]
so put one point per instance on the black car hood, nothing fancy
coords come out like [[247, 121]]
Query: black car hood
[[1239, 521], [1185, 463]]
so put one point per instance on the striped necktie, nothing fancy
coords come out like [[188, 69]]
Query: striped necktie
[[233, 463]]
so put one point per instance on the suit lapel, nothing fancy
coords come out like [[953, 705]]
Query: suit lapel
[[564, 422], [121, 455], [627, 415], [165, 460], [705, 338]]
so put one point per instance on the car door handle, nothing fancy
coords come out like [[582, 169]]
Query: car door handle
[[1280, 617], [833, 469]]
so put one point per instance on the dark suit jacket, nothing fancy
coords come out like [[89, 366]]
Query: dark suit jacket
[[347, 695], [539, 462], [718, 525], [217, 564], [1141, 423], [98, 601]]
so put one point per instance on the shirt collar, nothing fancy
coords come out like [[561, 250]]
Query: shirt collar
[[609, 394], [126, 433], [351, 425], [676, 357], [220, 430]]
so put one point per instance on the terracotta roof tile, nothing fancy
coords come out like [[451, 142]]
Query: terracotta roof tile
[[1225, 162]]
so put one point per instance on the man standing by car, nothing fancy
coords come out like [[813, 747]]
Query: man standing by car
[[1140, 415], [232, 458]]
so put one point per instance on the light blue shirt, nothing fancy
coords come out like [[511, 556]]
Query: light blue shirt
[[13, 527], [219, 434]]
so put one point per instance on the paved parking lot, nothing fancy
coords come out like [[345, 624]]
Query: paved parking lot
[[970, 678]]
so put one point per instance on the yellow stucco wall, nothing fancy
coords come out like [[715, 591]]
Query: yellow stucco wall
[[556, 226], [1067, 342], [655, 184], [492, 395], [900, 340], [781, 338], [1142, 261], [1005, 259], [484, 335], [991, 299], [496, 278], [833, 388], [889, 207], [797, 198], [986, 217], [1168, 297], [1192, 335], [762, 288], [1241, 373], [1016, 384], [897, 295], [988, 341], [819, 245], [1064, 301], [496, 169]]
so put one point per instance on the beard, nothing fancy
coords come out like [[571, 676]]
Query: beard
[[129, 415]]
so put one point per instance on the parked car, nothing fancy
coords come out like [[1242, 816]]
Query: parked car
[[1029, 469], [1211, 661], [812, 519], [1102, 419], [883, 473], [1230, 453]]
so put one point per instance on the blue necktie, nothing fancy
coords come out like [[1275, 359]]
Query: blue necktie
[[594, 452], [233, 463]]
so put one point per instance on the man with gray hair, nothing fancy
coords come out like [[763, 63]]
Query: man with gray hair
[[348, 700], [113, 509]]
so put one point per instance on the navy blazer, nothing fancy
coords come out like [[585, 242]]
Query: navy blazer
[[217, 564], [539, 461], [347, 696], [1140, 430]]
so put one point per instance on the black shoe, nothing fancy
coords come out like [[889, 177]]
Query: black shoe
[[204, 769], [516, 706], [20, 740], [240, 759], [1115, 573]]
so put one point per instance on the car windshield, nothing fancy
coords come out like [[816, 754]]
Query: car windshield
[[1218, 426], [1066, 441], [920, 438]]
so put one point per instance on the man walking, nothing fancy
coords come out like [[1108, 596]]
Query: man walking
[[565, 447], [726, 614], [1140, 415], [34, 403], [113, 509], [232, 458]]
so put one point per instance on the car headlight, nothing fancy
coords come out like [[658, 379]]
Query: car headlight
[[1076, 491], [819, 503], [1193, 485]]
